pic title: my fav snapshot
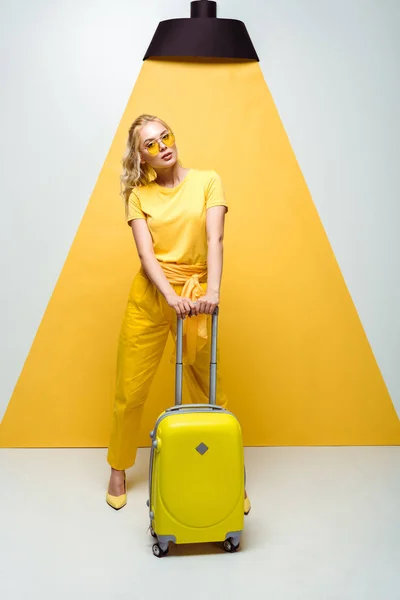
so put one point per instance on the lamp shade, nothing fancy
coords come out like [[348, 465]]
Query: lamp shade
[[202, 35]]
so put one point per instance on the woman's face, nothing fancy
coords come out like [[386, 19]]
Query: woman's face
[[152, 138]]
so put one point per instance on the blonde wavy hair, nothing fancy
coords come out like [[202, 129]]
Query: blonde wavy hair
[[134, 173]]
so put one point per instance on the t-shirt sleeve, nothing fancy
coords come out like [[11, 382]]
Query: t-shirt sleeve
[[215, 195], [133, 209]]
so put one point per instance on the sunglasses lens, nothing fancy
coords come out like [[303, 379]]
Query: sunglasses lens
[[168, 139], [152, 148]]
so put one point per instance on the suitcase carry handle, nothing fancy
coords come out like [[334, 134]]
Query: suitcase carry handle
[[196, 407], [213, 360]]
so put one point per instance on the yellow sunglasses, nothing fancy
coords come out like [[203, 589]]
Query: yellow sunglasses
[[153, 147]]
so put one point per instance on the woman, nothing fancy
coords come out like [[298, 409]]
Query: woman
[[177, 219]]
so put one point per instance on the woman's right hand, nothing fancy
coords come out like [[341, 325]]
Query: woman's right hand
[[182, 306]]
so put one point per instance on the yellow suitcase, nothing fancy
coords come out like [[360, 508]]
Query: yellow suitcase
[[196, 473]]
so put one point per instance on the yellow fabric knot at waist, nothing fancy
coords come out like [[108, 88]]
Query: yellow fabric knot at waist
[[194, 328]]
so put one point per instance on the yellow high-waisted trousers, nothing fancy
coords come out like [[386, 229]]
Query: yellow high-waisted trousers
[[144, 332]]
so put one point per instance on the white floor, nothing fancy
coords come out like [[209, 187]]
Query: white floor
[[325, 525]]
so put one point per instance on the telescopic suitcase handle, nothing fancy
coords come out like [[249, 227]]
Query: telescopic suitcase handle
[[213, 360]]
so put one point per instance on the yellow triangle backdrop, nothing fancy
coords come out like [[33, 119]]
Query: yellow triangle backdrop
[[296, 362]]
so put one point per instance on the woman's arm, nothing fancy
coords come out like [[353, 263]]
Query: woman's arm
[[144, 245], [215, 221]]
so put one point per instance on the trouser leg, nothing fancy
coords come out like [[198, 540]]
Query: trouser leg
[[142, 341]]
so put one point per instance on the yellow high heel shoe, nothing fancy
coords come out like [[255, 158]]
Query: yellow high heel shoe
[[247, 505], [117, 502]]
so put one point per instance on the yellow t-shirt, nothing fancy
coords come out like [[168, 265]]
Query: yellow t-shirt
[[176, 217]]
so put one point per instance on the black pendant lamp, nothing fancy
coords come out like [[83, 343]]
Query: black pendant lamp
[[202, 36]]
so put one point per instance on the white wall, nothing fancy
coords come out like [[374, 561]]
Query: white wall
[[66, 74]]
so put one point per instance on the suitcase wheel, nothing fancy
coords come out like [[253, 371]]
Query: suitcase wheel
[[230, 547], [158, 552]]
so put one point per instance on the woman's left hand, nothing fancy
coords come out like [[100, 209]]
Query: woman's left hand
[[206, 304]]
